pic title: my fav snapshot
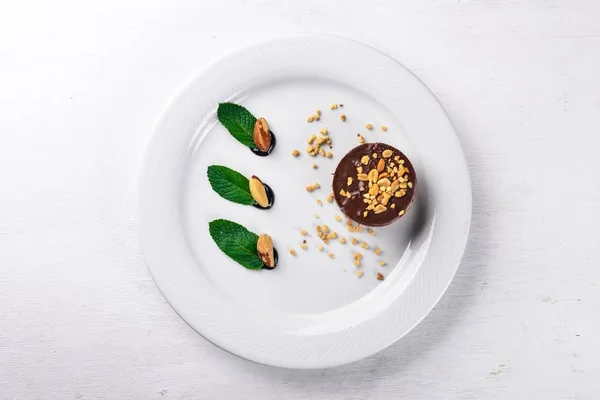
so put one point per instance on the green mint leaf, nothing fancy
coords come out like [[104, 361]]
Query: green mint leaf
[[239, 122], [236, 241], [230, 184]]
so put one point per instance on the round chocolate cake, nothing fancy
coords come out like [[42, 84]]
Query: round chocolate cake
[[374, 184]]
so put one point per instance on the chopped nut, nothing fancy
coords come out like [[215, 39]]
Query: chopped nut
[[303, 246], [338, 218], [356, 263], [319, 202], [348, 195], [380, 208], [349, 180], [293, 252], [330, 197], [358, 256], [317, 216], [382, 263], [313, 187], [369, 126], [303, 232], [343, 117], [325, 228], [354, 241], [380, 165], [386, 153], [295, 153], [380, 276], [359, 273], [374, 190], [401, 213], [383, 175], [342, 192], [312, 139], [322, 152], [318, 112], [330, 255], [395, 186], [323, 131], [385, 182], [384, 128], [410, 185], [333, 106], [315, 166], [364, 160], [328, 154], [373, 175], [310, 119], [374, 155], [320, 247], [342, 240], [365, 213], [370, 231], [377, 251], [393, 205], [364, 245], [359, 170], [361, 138], [363, 177]]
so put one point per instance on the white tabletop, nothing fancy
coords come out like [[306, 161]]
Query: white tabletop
[[80, 88]]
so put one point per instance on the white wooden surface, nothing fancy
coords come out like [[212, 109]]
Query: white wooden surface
[[80, 88]]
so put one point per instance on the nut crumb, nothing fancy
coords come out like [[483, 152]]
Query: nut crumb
[[330, 255], [369, 126], [303, 246], [319, 202], [310, 119], [361, 138], [359, 273], [315, 166], [317, 216], [320, 247], [384, 128], [323, 131], [303, 232], [313, 187], [380, 276], [295, 153], [370, 231], [374, 155], [342, 240], [401, 213], [364, 245], [330, 198], [328, 154], [318, 112], [377, 251], [333, 106], [338, 218], [343, 117], [349, 180], [354, 241], [365, 213], [356, 263], [410, 185], [293, 252], [382, 263]]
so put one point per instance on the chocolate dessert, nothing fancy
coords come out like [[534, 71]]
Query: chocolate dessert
[[374, 184]]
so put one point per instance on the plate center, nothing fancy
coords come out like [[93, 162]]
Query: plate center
[[312, 281]]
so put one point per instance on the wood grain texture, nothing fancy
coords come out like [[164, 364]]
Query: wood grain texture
[[80, 88]]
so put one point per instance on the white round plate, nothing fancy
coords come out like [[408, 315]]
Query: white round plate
[[311, 311]]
